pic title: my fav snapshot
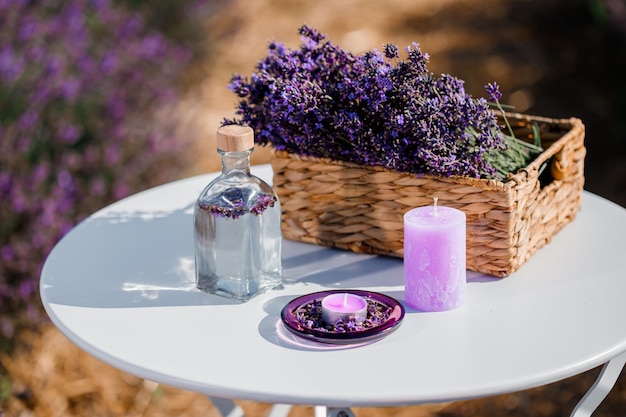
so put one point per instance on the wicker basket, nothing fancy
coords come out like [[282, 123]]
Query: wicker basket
[[359, 208]]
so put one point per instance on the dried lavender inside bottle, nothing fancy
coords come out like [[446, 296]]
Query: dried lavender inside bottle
[[237, 225]]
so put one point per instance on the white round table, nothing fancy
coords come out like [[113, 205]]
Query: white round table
[[121, 286]]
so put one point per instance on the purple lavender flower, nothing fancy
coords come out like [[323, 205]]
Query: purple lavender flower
[[309, 316], [371, 109], [77, 129], [494, 91], [233, 204], [11, 66], [391, 51]]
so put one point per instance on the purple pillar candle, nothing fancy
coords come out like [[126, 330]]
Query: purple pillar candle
[[434, 258]]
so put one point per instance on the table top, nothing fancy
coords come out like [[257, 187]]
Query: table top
[[121, 286]]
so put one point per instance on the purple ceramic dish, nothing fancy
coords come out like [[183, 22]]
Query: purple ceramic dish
[[289, 316]]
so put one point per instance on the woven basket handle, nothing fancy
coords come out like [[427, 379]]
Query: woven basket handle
[[562, 163]]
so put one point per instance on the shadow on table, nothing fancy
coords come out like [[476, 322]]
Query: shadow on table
[[120, 258]]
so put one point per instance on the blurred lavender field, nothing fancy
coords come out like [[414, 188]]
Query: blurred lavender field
[[85, 88]]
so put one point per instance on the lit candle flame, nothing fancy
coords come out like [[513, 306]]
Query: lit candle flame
[[435, 198]]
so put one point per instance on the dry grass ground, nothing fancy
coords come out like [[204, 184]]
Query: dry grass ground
[[521, 45]]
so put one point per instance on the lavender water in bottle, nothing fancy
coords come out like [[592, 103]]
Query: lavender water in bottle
[[237, 225]]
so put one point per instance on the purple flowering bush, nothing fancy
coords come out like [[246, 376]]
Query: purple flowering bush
[[372, 109], [80, 84]]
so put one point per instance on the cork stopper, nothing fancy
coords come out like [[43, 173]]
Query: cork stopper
[[235, 138]]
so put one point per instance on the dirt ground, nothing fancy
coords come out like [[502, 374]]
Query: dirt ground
[[551, 58]]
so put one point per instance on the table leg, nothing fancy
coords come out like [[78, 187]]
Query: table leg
[[279, 410], [600, 389], [323, 411], [228, 408]]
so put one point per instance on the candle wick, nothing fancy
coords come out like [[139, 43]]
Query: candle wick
[[435, 198], [345, 299]]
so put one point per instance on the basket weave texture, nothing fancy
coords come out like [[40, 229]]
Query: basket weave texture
[[361, 208]]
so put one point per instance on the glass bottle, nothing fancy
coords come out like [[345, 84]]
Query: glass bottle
[[237, 225]]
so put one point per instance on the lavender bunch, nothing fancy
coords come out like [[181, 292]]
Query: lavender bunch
[[80, 84], [371, 109]]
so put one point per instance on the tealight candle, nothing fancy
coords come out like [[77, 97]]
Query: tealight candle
[[434, 258], [343, 306]]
